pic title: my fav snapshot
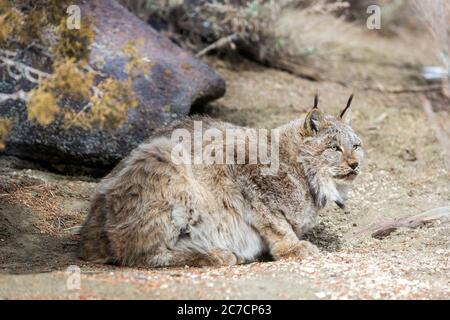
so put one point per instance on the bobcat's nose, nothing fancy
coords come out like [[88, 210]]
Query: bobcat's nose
[[353, 164]]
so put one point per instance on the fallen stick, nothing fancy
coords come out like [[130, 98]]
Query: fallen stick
[[222, 42], [76, 230], [381, 230]]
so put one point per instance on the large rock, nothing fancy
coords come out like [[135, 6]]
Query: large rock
[[177, 82]]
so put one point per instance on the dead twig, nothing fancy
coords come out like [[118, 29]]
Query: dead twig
[[76, 230], [381, 230], [221, 43]]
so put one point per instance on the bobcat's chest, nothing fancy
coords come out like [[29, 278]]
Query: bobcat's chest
[[299, 206]]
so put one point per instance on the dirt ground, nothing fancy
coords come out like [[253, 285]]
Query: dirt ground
[[404, 175]]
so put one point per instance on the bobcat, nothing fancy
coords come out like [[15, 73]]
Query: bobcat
[[151, 212]]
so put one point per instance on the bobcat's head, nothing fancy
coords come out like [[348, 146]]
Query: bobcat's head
[[331, 153]]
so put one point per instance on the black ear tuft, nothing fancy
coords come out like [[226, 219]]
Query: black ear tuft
[[316, 100], [349, 102]]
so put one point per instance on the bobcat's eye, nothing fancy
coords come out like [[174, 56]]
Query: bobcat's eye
[[356, 146], [337, 148]]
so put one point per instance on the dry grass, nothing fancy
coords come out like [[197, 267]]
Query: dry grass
[[333, 38], [435, 16], [44, 199]]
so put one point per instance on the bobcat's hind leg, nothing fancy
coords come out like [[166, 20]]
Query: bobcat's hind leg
[[176, 258]]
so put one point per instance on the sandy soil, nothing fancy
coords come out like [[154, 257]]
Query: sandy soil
[[404, 175]]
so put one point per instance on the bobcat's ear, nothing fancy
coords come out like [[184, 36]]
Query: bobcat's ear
[[346, 114], [314, 119]]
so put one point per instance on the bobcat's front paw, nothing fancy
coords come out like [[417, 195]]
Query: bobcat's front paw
[[298, 250], [223, 258], [215, 258]]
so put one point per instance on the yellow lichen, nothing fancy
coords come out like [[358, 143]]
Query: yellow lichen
[[41, 22], [11, 21], [42, 106], [137, 63], [106, 104], [109, 108], [73, 43], [5, 126], [69, 80], [66, 81], [53, 10], [25, 21]]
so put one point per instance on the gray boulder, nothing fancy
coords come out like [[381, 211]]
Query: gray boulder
[[177, 82]]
